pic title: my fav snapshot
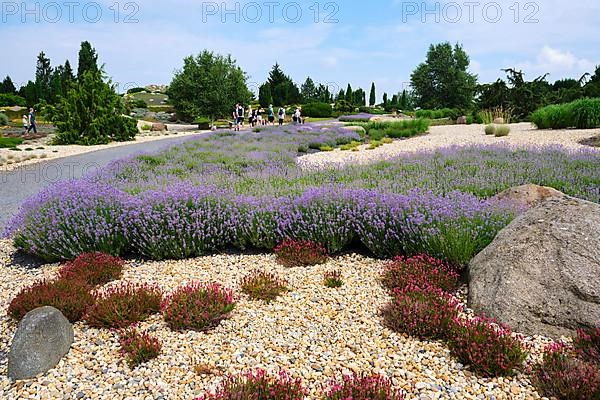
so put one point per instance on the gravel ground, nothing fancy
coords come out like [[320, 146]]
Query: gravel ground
[[314, 332], [521, 135]]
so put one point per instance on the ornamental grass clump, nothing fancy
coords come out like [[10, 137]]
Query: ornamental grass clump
[[362, 387], [197, 306], [261, 285], [138, 347], [587, 345], [94, 268], [560, 375], [258, 385], [425, 313], [502, 130], [490, 129], [422, 271], [300, 253], [333, 279], [123, 305], [70, 297], [487, 346]]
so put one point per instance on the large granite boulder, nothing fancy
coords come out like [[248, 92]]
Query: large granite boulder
[[541, 275], [43, 337], [528, 196]]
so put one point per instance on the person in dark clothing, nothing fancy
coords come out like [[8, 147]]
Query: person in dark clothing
[[32, 124]]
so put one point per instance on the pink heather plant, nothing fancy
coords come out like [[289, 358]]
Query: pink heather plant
[[487, 346], [258, 385], [138, 347], [562, 376], [94, 268], [197, 306], [123, 305], [587, 345], [362, 387], [296, 253], [426, 313], [421, 271]]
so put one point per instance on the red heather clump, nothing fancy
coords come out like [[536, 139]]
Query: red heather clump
[[138, 347], [486, 346], [261, 285], [587, 345], [197, 306], [562, 376], [93, 268], [124, 305], [362, 387], [425, 313], [71, 297], [420, 271], [258, 385], [298, 253]]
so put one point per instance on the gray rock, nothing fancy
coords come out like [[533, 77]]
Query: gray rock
[[499, 121], [461, 120], [541, 275], [43, 337], [158, 127]]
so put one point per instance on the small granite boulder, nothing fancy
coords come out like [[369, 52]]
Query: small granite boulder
[[461, 120], [528, 196], [499, 121], [541, 275], [158, 127], [43, 337]]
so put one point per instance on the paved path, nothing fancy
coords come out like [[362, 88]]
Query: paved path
[[23, 182]]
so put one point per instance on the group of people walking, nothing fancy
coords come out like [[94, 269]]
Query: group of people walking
[[29, 122], [256, 116]]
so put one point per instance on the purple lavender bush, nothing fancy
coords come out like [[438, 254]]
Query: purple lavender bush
[[247, 190]]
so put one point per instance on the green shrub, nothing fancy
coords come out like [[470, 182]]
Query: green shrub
[[3, 119], [377, 130], [91, 113], [502, 130], [581, 114], [136, 90], [9, 100], [263, 286], [490, 129], [146, 127], [586, 113], [451, 113], [317, 110], [139, 104]]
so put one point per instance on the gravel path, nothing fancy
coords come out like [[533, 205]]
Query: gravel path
[[314, 332], [20, 183], [522, 135]]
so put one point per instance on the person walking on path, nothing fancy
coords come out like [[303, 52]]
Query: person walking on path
[[281, 115], [271, 114], [25, 123], [239, 116], [32, 121]]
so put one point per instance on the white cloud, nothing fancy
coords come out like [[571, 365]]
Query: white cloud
[[558, 63]]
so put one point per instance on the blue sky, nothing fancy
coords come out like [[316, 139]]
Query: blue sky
[[344, 41]]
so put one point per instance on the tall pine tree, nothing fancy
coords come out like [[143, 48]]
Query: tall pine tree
[[88, 60], [372, 97], [7, 86], [43, 78]]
